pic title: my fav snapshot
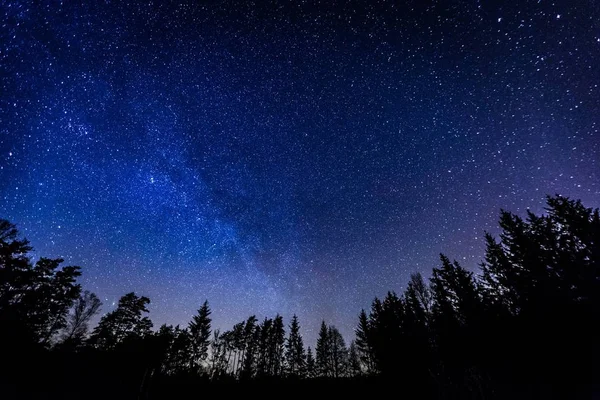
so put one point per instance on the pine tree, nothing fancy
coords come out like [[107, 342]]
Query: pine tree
[[418, 297], [385, 327], [457, 304], [15, 266], [126, 322], [416, 331], [249, 346], [364, 343], [277, 345], [311, 369], [237, 347], [295, 354], [251, 355], [217, 361], [46, 304], [178, 349], [455, 314], [542, 280], [323, 352], [34, 298], [264, 347], [354, 363], [200, 329], [338, 353]]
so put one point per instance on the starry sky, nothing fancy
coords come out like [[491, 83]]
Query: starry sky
[[288, 156]]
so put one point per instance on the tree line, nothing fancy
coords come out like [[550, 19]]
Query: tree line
[[525, 325]]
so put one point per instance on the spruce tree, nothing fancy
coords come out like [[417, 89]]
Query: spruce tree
[[354, 364], [364, 343], [249, 346], [200, 330], [277, 345], [338, 353], [264, 348], [541, 278], [295, 354], [323, 352], [311, 369]]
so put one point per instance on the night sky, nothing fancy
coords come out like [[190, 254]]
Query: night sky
[[288, 157]]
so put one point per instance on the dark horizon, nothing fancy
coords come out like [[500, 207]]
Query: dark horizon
[[523, 327]]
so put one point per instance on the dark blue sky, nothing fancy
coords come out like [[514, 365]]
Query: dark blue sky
[[294, 156]]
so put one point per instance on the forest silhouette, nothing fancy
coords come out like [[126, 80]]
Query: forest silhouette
[[524, 326]]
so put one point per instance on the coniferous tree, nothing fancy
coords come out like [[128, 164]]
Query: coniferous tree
[[531, 316], [338, 353], [229, 350], [34, 298], [323, 352], [217, 361], [199, 330], [418, 298], [45, 306], [311, 368], [295, 355], [364, 343], [277, 347], [386, 321], [542, 279], [354, 364], [178, 348], [126, 322], [455, 315], [248, 357], [251, 354], [237, 346], [15, 267], [416, 332], [264, 348], [166, 335]]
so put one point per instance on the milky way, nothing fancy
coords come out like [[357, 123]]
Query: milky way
[[288, 157]]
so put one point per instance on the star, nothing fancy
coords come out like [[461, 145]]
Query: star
[[299, 159]]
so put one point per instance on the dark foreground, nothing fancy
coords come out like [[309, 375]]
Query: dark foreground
[[54, 376]]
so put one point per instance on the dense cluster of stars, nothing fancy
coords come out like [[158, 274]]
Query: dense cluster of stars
[[288, 156]]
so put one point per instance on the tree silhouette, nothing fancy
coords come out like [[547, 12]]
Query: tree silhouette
[[364, 343], [249, 344], [218, 360], [199, 334], [525, 327], [76, 330], [354, 364], [542, 279], [251, 348], [34, 298], [178, 350], [126, 322], [295, 354], [455, 312], [385, 323], [323, 352], [15, 266], [338, 353], [277, 347], [416, 330], [45, 305], [332, 354], [311, 368]]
